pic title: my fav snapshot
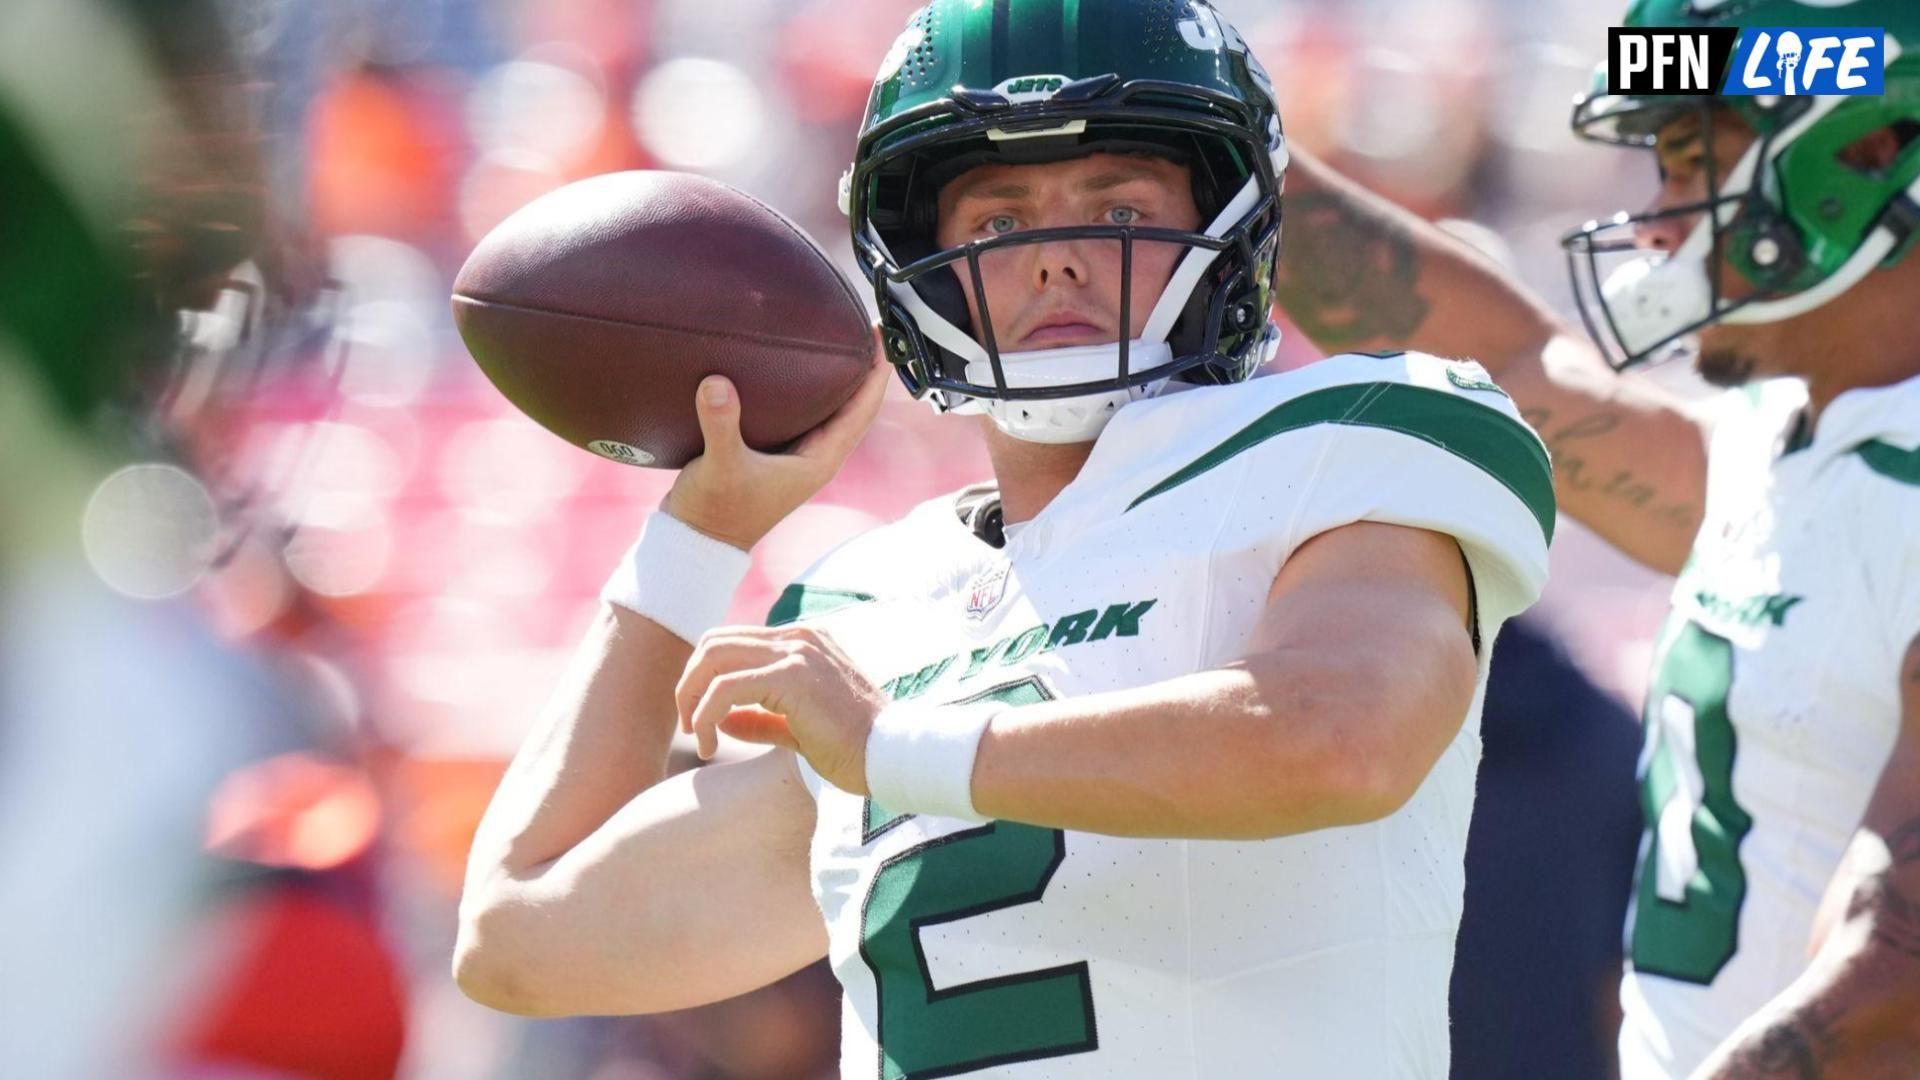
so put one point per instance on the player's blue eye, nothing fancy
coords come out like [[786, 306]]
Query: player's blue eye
[[1000, 224], [1123, 215]]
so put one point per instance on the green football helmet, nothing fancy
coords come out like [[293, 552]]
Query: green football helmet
[[1035, 81], [1791, 217]]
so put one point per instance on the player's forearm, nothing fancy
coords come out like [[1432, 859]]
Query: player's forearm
[[1283, 744], [1855, 1013], [1359, 273], [602, 739]]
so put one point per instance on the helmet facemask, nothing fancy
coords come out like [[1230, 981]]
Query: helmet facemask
[[1640, 305]]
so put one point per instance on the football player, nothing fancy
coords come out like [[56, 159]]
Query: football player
[[1155, 756], [1782, 746]]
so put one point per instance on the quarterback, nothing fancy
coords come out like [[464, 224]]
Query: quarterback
[[1782, 752], [1154, 757]]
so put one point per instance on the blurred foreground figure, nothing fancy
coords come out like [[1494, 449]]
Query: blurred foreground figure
[[130, 194]]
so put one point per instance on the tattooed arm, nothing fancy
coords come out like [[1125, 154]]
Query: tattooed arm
[[1358, 273], [1855, 1011]]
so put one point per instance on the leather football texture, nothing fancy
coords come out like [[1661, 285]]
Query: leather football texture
[[598, 308]]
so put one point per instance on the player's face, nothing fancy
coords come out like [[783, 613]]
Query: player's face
[[1692, 160], [1067, 292]]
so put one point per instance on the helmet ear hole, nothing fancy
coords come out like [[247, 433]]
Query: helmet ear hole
[[1875, 153], [1774, 252]]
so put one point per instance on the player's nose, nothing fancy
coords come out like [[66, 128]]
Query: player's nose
[[1662, 231], [1058, 262]]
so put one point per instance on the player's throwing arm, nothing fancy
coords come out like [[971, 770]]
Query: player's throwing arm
[[582, 825]]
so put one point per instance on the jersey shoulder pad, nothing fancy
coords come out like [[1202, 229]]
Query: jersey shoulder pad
[[1465, 378], [1351, 387], [1450, 407], [1401, 438]]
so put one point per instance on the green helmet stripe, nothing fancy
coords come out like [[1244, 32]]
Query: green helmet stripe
[[1070, 34], [1041, 22], [999, 40]]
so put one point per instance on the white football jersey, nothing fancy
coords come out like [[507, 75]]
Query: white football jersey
[[1774, 705], [1009, 950]]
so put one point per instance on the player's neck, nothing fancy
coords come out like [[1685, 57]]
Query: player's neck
[[1030, 474], [1871, 344]]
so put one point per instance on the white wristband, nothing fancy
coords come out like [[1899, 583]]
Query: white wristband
[[677, 576], [920, 758]]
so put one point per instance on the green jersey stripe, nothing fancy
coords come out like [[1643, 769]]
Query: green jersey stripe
[[798, 602], [1890, 461], [1497, 444]]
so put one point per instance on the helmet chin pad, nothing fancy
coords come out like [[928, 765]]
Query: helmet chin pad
[[1067, 419], [1651, 299]]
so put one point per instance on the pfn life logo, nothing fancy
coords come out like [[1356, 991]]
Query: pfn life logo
[[1779, 61], [1789, 62]]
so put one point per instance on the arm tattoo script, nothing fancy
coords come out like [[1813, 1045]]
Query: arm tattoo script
[[1573, 473], [1348, 277]]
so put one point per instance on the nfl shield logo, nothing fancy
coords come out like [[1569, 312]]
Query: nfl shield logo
[[986, 591]]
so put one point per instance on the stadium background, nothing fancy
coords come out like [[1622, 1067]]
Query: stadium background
[[447, 553]]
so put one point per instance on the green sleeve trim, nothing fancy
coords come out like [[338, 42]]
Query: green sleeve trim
[[798, 602], [1497, 444], [1890, 461]]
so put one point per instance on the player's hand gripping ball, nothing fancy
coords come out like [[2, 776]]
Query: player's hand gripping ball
[[599, 307], [788, 686]]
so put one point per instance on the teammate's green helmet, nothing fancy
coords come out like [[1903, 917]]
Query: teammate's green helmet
[[1793, 217], [1034, 81]]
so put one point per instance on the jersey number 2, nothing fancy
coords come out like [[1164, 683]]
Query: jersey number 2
[[927, 1032], [1690, 887]]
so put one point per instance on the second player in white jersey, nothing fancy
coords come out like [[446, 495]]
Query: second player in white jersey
[[1773, 708], [1777, 240], [1010, 950]]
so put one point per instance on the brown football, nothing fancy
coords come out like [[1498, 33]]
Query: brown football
[[598, 308]]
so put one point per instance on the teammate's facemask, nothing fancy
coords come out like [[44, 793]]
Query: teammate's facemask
[[1171, 80], [1791, 217]]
